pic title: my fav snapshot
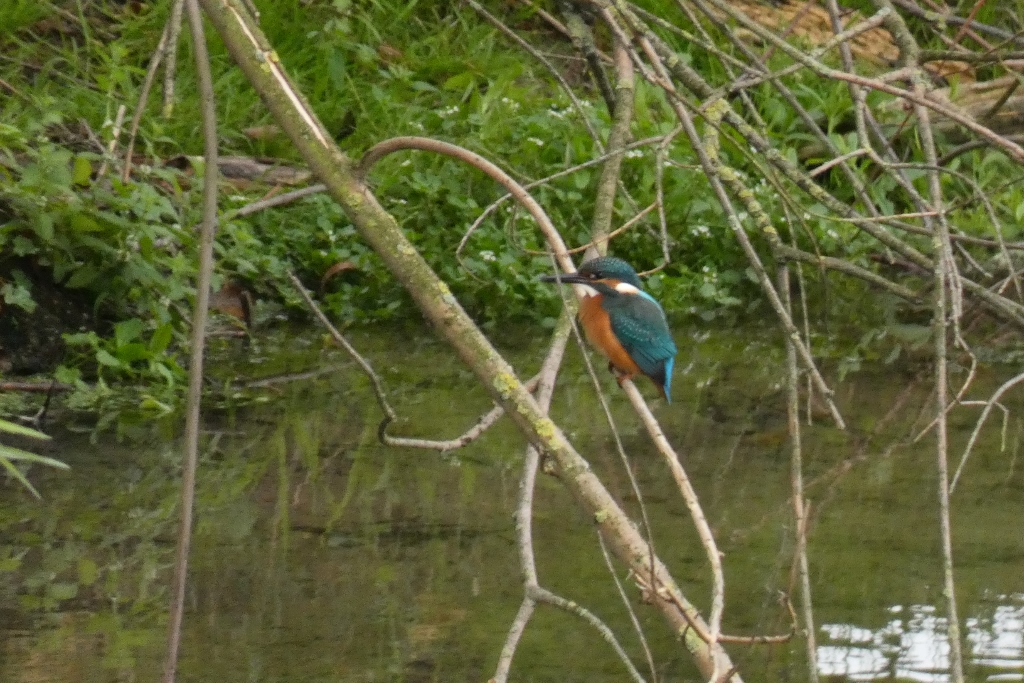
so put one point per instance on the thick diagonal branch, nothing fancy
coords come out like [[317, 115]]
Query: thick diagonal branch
[[262, 67]]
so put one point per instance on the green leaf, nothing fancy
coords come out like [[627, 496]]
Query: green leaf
[[10, 564], [82, 171], [460, 81], [62, 590], [88, 571], [12, 453], [161, 338], [81, 222], [15, 428], [128, 331], [82, 277], [17, 295], [23, 246], [16, 473], [150, 403], [103, 357], [67, 375], [164, 371], [81, 339], [44, 226], [130, 353]]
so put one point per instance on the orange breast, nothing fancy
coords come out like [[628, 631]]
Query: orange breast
[[598, 328]]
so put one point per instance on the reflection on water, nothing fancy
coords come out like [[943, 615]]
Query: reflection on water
[[322, 556], [913, 645]]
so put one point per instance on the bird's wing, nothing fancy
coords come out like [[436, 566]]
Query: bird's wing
[[640, 326]]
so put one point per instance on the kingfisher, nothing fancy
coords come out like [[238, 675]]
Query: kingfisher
[[623, 322]]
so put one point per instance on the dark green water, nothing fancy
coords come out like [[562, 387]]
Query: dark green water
[[322, 556]]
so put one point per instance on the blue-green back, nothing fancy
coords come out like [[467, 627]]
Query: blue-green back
[[639, 324]]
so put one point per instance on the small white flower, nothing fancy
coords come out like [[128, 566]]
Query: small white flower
[[634, 154], [488, 255], [448, 111]]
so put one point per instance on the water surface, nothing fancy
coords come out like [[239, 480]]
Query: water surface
[[321, 555]]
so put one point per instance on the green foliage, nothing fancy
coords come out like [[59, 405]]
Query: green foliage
[[372, 71], [10, 455]]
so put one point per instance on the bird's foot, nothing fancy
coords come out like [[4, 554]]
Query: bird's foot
[[620, 375]]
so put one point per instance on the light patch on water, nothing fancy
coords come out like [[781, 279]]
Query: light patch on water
[[915, 647]]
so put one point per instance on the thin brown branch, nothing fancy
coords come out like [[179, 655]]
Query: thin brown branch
[[796, 478], [198, 341], [140, 106], [618, 137], [382, 149], [390, 415], [171, 61]]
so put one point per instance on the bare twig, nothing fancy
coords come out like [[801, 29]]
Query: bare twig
[[470, 435], [195, 370], [115, 134], [493, 206], [604, 201], [796, 478], [382, 149], [171, 63], [992, 402], [140, 106], [629, 609], [689, 494], [947, 308]]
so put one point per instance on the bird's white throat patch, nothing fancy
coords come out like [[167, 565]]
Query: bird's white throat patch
[[626, 288]]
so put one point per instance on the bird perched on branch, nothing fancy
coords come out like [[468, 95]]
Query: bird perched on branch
[[623, 322]]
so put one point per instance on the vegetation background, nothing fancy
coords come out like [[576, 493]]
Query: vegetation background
[[106, 262], [97, 237]]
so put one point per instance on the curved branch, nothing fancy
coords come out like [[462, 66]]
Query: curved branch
[[392, 145]]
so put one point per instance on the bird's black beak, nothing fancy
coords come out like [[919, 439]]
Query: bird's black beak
[[567, 278]]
